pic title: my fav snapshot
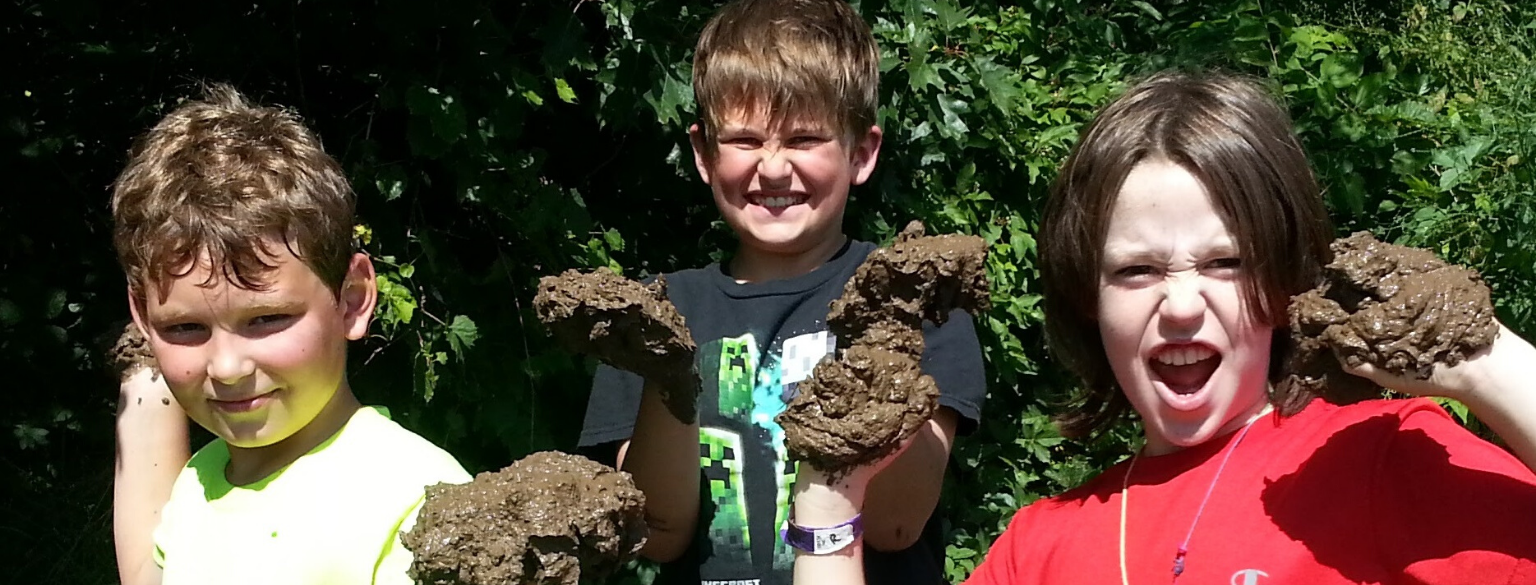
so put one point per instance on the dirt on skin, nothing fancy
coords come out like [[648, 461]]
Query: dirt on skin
[[129, 352], [548, 519], [859, 407], [1400, 309], [627, 325]]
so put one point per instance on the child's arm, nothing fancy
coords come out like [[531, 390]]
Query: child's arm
[[820, 502], [152, 447], [1496, 385], [663, 457], [902, 497]]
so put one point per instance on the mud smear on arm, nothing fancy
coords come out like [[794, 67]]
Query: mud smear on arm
[[1400, 309], [627, 325], [549, 519], [858, 407]]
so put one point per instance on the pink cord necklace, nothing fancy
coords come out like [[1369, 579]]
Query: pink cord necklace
[[1183, 550]]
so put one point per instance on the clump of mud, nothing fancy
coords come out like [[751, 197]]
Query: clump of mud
[[1400, 309], [627, 325], [859, 407], [548, 519], [128, 352]]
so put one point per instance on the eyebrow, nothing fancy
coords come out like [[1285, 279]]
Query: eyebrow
[[175, 315]]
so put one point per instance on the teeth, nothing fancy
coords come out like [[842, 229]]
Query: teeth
[[1184, 356], [782, 201]]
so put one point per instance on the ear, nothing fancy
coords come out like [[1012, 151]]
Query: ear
[[700, 152], [136, 310], [866, 149], [359, 294]]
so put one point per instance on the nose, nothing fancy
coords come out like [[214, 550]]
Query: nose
[[229, 362], [1183, 301], [774, 167]]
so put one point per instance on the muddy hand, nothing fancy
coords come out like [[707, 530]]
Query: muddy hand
[[1458, 382]]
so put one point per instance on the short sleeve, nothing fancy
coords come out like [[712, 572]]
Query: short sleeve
[[952, 355], [395, 560], [1453, 508], [612, 406]]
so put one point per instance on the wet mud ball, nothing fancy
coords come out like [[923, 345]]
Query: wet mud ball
[[858, 407], [1400, 309], [128, 352], [550, 518], [627, 325]]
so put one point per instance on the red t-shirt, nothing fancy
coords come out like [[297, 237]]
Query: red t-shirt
[[1386, 491]]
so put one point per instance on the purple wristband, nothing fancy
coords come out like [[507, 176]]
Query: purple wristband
[[820, 541]]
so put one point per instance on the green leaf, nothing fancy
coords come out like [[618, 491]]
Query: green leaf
[[1001, 83], [30, 437], [952, 107], [10, 314], [1342, 69], [56, 300], [614, 240], [1147, 8], [564, 90], [391, 189], [920, 74], [462, 334], [670, 99], [949, 15]]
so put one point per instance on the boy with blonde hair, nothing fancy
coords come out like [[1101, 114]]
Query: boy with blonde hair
[[787, 92], [235, 230]]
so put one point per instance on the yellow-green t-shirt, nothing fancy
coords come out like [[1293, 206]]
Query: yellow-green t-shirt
[[331, 517]]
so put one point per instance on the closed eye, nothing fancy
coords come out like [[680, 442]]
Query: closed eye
[[1225, 264], [743, 142], [1138, 270], [806, 141]]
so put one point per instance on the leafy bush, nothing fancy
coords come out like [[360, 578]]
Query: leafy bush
[[494, 142]]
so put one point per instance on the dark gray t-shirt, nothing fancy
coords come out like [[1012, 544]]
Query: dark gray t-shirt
[[757, 341]]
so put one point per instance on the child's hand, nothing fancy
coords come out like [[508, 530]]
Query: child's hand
[[1478, 374], [1496, 384]]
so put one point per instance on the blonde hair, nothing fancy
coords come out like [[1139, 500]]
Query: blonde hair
[[224, 177], [793, 60]]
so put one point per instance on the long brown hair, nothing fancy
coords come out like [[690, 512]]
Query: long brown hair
[[1239, 142]]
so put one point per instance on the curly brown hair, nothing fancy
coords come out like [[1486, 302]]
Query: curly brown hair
[[226, 179]]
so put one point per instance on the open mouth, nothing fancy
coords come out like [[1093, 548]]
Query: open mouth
[[1184, 369], [776, 202]]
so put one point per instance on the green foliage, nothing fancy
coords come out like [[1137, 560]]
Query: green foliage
[[491, 143]]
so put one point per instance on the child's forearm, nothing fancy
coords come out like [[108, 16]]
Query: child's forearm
[[663, 457], [1504, 396], [903, 496], [819, 503], [152, 447]]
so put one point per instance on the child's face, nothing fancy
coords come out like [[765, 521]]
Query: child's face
[[256, 367], [1171, 312], [783, 190]]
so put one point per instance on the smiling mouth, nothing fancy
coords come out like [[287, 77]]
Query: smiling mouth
[[1185, 369], [778, 201], [243, 405]]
